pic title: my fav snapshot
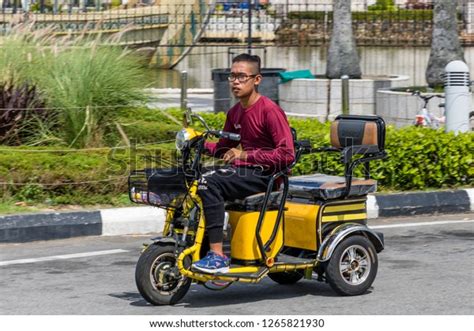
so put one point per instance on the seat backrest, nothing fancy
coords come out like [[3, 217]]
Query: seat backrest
[[349, 130]]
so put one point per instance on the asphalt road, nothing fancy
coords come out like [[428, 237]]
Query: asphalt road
[[425, 269]]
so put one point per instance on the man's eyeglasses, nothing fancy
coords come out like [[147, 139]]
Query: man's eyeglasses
[[242, 78]]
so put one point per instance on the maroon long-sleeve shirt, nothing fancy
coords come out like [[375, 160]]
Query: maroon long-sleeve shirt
[[265, 135]]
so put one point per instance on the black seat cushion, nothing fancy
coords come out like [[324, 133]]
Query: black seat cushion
[[315, 186], [328, 187], [254, 202]]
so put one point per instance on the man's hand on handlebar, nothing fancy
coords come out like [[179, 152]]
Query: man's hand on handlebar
[[234, 154]]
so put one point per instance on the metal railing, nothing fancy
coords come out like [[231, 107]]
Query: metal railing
[[287, 23]]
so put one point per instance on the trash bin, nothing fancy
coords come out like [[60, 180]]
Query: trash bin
[[221, 90], [223, 98]]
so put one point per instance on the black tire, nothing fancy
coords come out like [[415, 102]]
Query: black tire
[[345, 271], [286, 277], [154, 263]]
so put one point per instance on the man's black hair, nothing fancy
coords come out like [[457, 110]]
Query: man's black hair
[[244, 57]]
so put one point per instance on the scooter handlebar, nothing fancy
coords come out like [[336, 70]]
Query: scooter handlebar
[[226, 135]]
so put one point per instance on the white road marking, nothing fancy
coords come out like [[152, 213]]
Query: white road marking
[[118, 251], [62, 257], [403, 225]]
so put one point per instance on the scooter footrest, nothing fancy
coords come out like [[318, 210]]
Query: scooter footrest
[[262, 271]]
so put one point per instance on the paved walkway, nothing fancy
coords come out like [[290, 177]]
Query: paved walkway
[[198, 99]]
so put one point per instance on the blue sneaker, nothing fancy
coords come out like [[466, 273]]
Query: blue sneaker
[[212, 263]]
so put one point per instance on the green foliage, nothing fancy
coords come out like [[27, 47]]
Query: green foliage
[[116, 3], [429, 158], [215, 121], [383, 5], [312, 15], [144, 126], [419, 159], [30, 192], [372, 15], [71, 176], [88, 85], [47, 6], [84, 82]]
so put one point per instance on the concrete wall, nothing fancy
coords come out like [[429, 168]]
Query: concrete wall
[[400, 108], [320, 5], [321, 98]]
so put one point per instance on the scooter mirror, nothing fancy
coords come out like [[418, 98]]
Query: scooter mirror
[[188, 119]]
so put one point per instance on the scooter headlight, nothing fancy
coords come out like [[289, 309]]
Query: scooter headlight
[[182, 137]]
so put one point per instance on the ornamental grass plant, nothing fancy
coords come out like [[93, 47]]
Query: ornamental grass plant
[[82, 82]]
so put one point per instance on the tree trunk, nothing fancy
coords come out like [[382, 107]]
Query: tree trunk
[[342, 54], [445, 46]]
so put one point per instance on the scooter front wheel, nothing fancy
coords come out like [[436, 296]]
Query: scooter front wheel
[[352, 268], [157, 277]]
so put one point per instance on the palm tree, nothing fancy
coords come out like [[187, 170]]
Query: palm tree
[[445, 46], [342, 54]]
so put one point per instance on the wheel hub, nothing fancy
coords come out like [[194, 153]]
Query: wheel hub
[[164, 275], [355, 265]]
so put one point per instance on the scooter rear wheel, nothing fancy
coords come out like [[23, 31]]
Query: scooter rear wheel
[[157, 277], [352, 268]]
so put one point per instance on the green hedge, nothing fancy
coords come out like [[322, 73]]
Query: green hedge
[[59, 175], [372, 15], [143, 125], [37, 175], [383, 5], [419, 159], [68, 176]]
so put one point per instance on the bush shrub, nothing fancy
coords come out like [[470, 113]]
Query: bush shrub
[[419, 159], [144, 126], [72, 176], [383, 5], [372, 15]]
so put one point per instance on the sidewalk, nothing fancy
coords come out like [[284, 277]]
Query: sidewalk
[[198, 99], [142, 220]]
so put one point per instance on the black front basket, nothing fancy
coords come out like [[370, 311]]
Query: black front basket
[[165, 188]]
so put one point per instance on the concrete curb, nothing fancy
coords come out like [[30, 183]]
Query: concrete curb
[[142, 220], [62, 225]]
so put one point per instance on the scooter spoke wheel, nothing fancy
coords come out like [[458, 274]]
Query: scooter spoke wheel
[[157, 277], [353, 266]]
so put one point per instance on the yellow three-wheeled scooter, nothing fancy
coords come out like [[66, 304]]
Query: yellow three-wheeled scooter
[[313, 224]]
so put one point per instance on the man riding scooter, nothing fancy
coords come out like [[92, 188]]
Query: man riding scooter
[[266, 147], [313, 225]]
